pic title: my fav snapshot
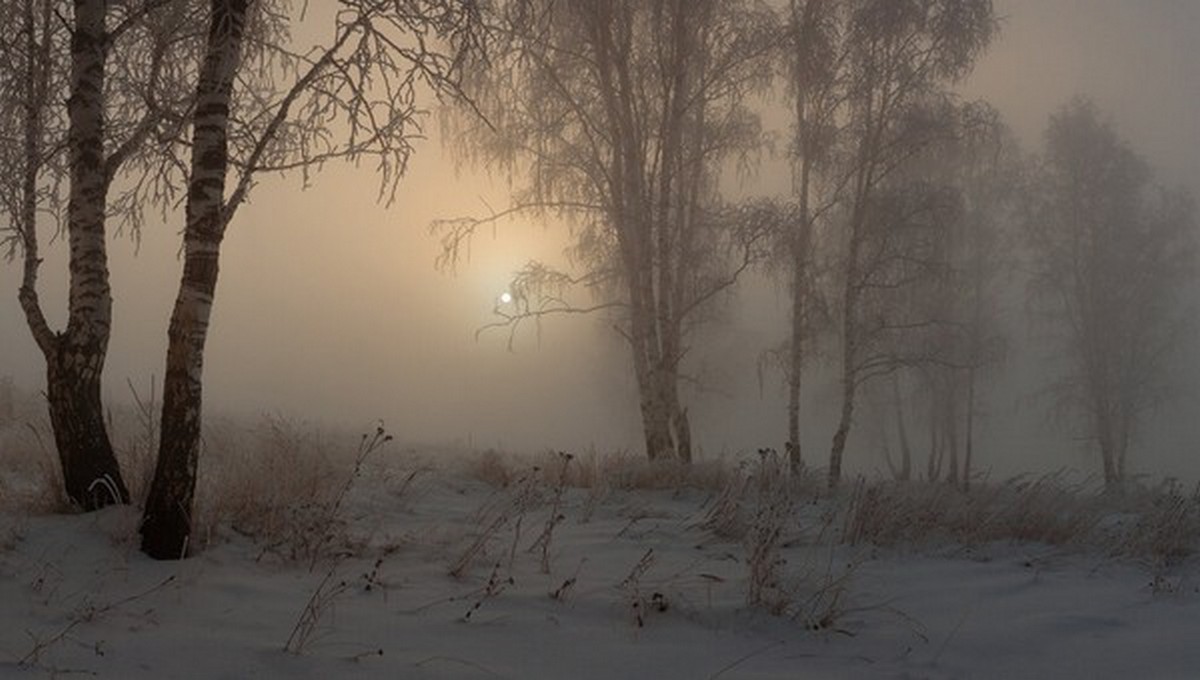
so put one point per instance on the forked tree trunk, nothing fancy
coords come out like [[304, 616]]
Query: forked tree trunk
[[656, 426], [658, 417], [677, 414], [653, 214], [75, 357], [665, 423], [167, 525]]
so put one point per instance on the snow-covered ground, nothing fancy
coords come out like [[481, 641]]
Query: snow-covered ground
[[642, 582]]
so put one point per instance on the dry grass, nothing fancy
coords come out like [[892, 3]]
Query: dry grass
[[1161, 524], [764, 536], [759, 507], [30, 473], [134, 433], [30, 476], [501, 515], [1044, 510], [592, 470], [277, 483]]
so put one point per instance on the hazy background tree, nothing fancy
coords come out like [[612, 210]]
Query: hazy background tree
[[900, 58], [983, 165], [1111, 258], [106, 63], [261, 107], [813, 54], [619, 117], [960, 337]]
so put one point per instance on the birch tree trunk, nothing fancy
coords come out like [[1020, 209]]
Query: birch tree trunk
[[803, 20], [75, 357], [653, 381], [849, 385], [849, 372], [166, 528], [796, 361], [850, 330], [801, 250]]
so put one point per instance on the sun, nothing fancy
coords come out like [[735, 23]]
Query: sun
[[506, 297]]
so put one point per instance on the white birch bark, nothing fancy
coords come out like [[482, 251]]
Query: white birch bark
[[167, 525]]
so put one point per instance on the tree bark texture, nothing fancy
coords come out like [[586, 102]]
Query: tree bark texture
[[167, 526], [75, 357], [91, 475], [654, 220]]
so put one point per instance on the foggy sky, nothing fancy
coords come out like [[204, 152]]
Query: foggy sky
[[329, 308]]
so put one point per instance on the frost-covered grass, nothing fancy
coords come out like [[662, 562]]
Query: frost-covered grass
[[315, 560], [30, 478], [1158, 524]]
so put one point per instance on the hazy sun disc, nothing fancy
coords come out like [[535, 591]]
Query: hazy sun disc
[[506, 297]]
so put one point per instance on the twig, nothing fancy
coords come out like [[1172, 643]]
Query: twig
[[743, 659], [89, 613]]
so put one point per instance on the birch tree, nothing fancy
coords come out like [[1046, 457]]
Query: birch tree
[[982, 165], [616, 116], [112, 106], [1111, 255], [814, 58], [260, 107], [901, 56]]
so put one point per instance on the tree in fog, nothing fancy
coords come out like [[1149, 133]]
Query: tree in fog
[[812, 54], [898, 58], [85, 86], [262, 108], [1110, 256], [618, 116], [980, 165]]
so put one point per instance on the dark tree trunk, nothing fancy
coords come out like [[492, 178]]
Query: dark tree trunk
[[970, 430], [1112, 475], [905, 472], [657, 416], [951, 426], [801, 244], [838, 447], [75, 357], [849, 372], [683, 435], [933, 467], [167, 526], [90, 472], [796, 365]]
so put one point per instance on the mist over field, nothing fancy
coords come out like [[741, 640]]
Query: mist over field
[[331, 309]]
